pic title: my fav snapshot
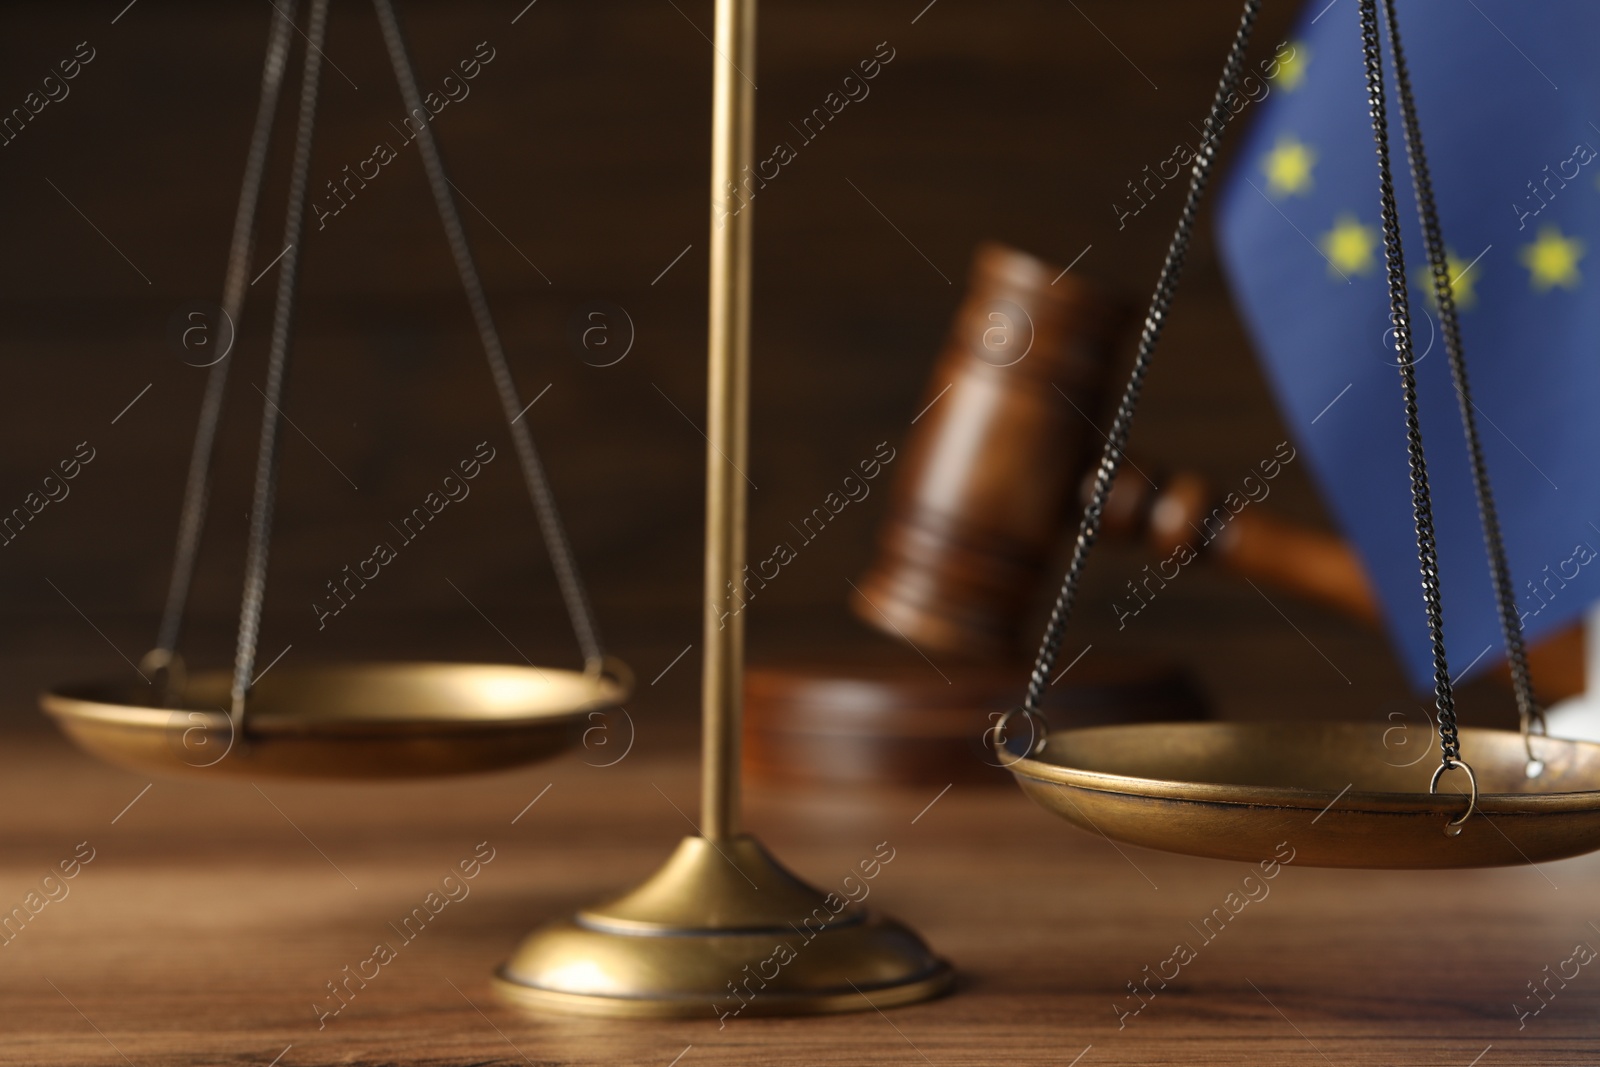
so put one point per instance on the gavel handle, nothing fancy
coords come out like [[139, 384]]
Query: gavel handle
[[1256, 544], [1323, 568], [1252, 542], [1316, 565]]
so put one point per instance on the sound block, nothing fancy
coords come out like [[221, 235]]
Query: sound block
[[837, 722]]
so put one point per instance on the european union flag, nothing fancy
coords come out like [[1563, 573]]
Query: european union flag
[[1508, 97]]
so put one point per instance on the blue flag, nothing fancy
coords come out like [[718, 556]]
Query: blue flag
[[1508, 97]]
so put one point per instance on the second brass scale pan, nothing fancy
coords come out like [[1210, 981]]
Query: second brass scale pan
[[361, 720]]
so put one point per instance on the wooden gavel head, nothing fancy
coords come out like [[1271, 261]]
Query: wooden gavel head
[[1005, 431]]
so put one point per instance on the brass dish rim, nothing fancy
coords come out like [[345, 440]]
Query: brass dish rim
[[1040, 768], [89, 701]]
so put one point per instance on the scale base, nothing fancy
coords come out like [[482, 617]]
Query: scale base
[[723, 931]]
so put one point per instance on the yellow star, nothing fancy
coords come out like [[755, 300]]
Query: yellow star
[[1349, 246], [1552, 260], [1463, 278], [1288, 167], [1292, 68]]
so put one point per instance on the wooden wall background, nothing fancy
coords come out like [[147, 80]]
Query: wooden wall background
[[585, 141]]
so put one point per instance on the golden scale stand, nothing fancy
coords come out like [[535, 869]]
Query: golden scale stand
[[681, 940]]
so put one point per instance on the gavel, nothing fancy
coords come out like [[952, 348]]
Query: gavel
[[996, 470]]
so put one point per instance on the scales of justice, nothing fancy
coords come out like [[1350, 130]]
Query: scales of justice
[[694, 932]]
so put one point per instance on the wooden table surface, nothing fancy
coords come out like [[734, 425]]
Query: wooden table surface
[[211, 916]]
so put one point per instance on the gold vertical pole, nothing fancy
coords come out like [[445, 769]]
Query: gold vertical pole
[[728, 404], [679, 943]]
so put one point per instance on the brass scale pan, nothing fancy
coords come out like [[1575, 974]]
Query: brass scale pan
[[363, 720], [1339, 793], [360, 720], [1335, 791]]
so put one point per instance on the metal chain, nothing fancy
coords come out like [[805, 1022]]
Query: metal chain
[[1528, 706], [255, 578], [191, 522], [1155, 319], [544, 506], [1400, 323]]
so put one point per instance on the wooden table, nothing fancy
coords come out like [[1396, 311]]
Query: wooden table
[[211, 916]]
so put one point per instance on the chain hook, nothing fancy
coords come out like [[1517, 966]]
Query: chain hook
[[1533, 725], [1449, 763], [1040, 731]]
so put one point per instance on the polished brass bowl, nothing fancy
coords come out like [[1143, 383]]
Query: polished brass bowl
[[1339, 794], [350, 721]]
